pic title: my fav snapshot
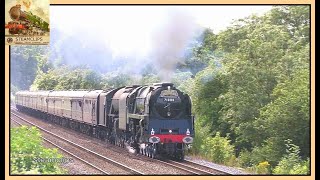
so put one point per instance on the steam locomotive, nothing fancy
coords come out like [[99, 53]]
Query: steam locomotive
[[154, 120], [25, 22]]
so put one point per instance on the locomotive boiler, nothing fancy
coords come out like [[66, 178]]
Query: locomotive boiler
[[154, 120]]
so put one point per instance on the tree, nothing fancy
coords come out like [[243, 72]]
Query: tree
[[262, 55], [199, 53], [66, 78], [288, 116], [206, 94], [116, 80], [149, 79], [25, 62], [258, 91]]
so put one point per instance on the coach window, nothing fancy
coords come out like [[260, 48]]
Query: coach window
[[93, 108], [80, 103]]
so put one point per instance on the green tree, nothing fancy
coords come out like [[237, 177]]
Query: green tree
[[25, 62], [206, 93], [288, 116], [116, 80], [149, 79], [258, 91], [199, 53], [180, 77], [262, 55], [67, 78]]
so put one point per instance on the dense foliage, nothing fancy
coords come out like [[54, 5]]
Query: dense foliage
[[261, 95], [250, 87], [29, 156]]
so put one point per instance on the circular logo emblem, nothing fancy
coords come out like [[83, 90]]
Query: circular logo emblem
[[9, 40]]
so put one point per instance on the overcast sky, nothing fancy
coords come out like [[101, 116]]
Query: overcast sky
[[130, 29]]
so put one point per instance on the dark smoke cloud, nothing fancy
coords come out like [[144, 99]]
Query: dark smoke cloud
[[170, 42]]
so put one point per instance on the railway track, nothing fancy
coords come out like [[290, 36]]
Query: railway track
[[83, 149], [187, 166], [205, 168], [190, 169], [193, 168]]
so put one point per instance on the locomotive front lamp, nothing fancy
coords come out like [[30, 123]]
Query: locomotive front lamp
[[154, 139], [187, 139], [187, 132]]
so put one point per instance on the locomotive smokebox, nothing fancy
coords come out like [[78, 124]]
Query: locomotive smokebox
[[16, 13]]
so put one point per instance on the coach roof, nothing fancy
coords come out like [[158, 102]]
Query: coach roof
[[71, 94], [93, 94]]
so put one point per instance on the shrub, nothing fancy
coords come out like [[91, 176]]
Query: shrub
[[26, 148], [218, 149], [201, 132], [292, 163], [245, 158], [263, 168]]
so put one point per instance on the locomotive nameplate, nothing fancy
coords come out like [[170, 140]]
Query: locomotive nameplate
[[27, 22]]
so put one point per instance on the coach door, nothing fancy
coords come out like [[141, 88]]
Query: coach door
[[93, 112]]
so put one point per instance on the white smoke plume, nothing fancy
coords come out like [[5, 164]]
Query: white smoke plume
[[122, 39]]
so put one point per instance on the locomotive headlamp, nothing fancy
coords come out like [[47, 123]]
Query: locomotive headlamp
[[152, 131], [187, 132], [154, 139], [187, 139], [168, 113]]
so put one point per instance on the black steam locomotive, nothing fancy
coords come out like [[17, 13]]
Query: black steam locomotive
[[155, 119]]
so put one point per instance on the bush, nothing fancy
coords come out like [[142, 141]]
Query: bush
[[301, 168], [271, 151], [245, 158], [263, 168], [26, 148], [201, 132], [218, 149], [292, 163]]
